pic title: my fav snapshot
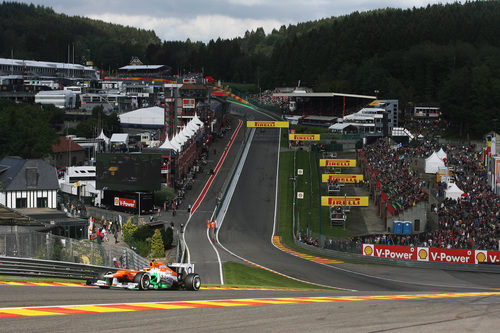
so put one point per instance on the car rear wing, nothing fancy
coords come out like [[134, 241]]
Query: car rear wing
[[180, 267]]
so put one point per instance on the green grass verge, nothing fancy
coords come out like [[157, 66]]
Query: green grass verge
[[308, 211], [38, 279], [243, 275]]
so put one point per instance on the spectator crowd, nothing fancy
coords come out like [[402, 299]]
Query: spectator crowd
[[392, 168], [470, 222]]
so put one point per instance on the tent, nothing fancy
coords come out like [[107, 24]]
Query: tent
[[433, 163], [118, 138], [103, 137], [152, 117], [197, 120], [441, 154], [169, 145], [453, 192]]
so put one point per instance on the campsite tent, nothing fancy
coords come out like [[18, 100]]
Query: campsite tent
[[433, 163], [441, 154], [453, 192]]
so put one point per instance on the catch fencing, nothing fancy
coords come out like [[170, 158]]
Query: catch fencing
[[46, 246]]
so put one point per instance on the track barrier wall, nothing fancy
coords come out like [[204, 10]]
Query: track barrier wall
[[46, 246]]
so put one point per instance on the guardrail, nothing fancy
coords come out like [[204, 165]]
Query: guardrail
[[484, 268], [49, 268]]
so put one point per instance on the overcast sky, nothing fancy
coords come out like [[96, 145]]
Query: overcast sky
[[202, 20]]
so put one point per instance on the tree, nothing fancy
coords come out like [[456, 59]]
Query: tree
[[129, 229], [26, 130], [168, 237], [157, 248]]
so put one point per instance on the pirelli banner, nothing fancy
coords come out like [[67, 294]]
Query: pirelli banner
[[269, 124], [303, 137], [336, 163], [340, 201], [341, 178]]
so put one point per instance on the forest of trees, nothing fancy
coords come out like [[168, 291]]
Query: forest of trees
[[445, 55], [38, 33]]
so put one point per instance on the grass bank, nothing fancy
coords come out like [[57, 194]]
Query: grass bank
[[241, 275], [308, 211]]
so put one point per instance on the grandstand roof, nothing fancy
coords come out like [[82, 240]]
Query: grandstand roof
[[141, 67], [321, 94], [47, 64]]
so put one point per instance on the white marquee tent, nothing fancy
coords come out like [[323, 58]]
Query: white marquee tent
[[433, 163], [169, 145], [103, 137], [453, 192], [152, 117], [119, 138], [441, 154]]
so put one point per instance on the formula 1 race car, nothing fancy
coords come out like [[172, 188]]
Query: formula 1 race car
[[156, 276]]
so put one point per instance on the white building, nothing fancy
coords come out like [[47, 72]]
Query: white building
[[63, 99], [27, 183]]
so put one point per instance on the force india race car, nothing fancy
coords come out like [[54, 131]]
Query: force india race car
[[156, 276]]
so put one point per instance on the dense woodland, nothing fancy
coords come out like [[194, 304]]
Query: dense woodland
[[442, 54]]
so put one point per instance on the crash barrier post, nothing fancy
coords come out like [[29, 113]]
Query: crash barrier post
[[46, 246]]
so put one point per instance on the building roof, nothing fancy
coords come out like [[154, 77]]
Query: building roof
[[318, 118], [339, 126], [148, 117], [320, 94], [65, 144], [56, 93], [9, 216], [141, 67], [21, 175], [192, 86], [47, 64]]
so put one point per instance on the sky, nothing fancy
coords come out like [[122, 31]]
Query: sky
[[203, 20]]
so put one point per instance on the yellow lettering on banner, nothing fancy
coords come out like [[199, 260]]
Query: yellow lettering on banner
[[303, 137], [336, 163], [340, 201], [270, 124], [341, 178]]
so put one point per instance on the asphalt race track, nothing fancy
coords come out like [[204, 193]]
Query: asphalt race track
[[74, 309], [374, 298]]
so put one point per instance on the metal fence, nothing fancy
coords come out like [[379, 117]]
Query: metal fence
[[45, 246]]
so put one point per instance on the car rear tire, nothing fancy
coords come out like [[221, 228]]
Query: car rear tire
[[192, 282], [143, 280]]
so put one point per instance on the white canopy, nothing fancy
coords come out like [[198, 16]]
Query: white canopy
[[193, 124], [146, 117], [103, 137], [197, 120], [178, 139], [119, 138], [453, 192], [188, 132], [441, 154], [433, 163], [168, 145], [183, 136]]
